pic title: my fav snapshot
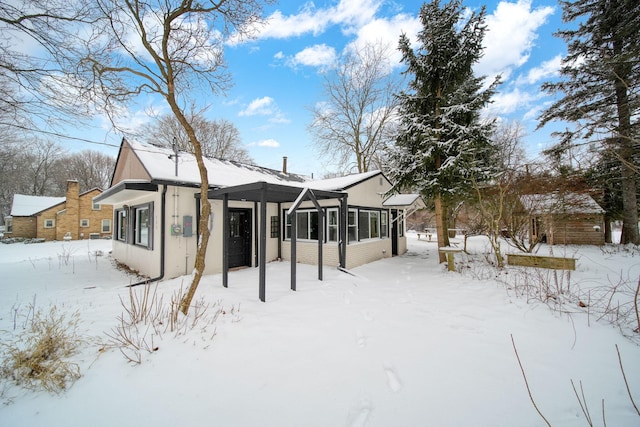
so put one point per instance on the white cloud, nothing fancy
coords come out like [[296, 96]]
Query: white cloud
[[319, 55], [269, 143], [350, 14], [510, 35], [279, 118], [509, 102], [386, 31], [546, 69], [264, 106]]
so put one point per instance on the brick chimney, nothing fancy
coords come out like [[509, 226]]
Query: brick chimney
[[71, 221]]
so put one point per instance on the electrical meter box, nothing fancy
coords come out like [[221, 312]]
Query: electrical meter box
[[176, 229], [187, 226]]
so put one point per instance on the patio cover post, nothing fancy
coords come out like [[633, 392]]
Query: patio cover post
[[320, 241], [263, 243], [225, 240], [294, 232], [342, 239]]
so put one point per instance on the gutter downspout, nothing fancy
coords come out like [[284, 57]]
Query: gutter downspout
[[162, 243]]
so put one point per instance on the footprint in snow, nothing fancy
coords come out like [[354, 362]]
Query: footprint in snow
[[392, 379], [359, 416], [361, 339]]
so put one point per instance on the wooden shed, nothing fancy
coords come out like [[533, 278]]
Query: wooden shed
[[564, 218]]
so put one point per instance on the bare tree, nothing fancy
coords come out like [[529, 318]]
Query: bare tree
[[219, 137], [37, 48], [92, 169], [498, 200], [10, 166], [40, 164], [27, 167], [172, 49], [354, 123]]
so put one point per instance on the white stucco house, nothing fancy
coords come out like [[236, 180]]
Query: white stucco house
[[341, 222]]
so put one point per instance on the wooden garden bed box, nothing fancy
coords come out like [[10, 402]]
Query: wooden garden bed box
[[558, 263]]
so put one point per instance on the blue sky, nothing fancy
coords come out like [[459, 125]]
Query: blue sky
[[277, 76]]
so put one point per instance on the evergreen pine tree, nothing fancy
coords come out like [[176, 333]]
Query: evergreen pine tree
[[441, 141], [601, 89]]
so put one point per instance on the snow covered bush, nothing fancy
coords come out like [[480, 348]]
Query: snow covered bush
[[38, 358], [146, 319]]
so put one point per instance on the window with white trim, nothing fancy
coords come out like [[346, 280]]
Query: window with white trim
[[49, 223], [384, 225], [352, 225], [307, 225], [96, 206], [332, 225], [106, 226], [368, 224], [84, 223]]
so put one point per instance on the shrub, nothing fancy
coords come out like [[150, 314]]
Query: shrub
[[38, 357]]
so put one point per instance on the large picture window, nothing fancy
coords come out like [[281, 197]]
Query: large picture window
[[368, 224], [142, 225]]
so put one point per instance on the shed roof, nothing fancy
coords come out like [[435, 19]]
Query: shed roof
[[560, 203], [403, 200]]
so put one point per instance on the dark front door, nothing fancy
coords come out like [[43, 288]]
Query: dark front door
[[394, 232], [239, 237]]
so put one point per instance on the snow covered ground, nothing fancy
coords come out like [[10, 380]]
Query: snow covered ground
[[402, 342]]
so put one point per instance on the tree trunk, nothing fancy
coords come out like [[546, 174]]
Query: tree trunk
[[629, 207], [203, 234], [625, 144], [205, 207], [441, 226]]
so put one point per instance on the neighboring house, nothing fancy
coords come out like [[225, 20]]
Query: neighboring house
[[564, 218], [340, 221], [51, 218]]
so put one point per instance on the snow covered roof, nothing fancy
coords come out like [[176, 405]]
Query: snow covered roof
[[343, 182], [560, 203], [24, 205], [160, 165], [401, 200]]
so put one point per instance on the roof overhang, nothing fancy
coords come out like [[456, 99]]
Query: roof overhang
[[272, 193], [125, 191]]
